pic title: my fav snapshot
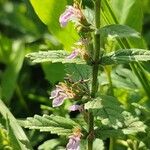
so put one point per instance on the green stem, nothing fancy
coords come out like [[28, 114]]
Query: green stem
[[94, 71], [111, 144]]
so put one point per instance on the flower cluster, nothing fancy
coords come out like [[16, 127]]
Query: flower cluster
[[61, 93], [73, 90], [80, 49], [74, 140], [72, 13]]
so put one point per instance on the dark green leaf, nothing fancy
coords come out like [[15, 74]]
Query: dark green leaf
[[14, 64], [120, 31], [54, 72], [125, 56], [78, 72]]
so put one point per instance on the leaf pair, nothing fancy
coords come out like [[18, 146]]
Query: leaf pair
[[114, 119]]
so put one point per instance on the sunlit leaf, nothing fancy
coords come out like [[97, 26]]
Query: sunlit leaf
[[120, 31], [54, 124], [49, 12], [53, 56], [126, 56]]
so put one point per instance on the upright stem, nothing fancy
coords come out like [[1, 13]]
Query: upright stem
[[94, 70]]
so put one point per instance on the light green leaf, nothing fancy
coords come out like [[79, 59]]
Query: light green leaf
[[107, 108], [98, 144], [121, 31], [114, 119], [49, 144], [128, 12], [125, 56], [49, 12], [53, 56], [131, 125], [125, 12], [16, 129], [4, 139], [54, 124]]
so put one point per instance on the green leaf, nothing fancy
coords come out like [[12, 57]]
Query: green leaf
[[128, 12], [123, 12], [49, 144], [114, 119], [107, 108], [125, 56], [18, 132], [54, 56], [49, 12], [130, 126], [54, 73], [54, 124], [10, 75], [121, 31], [98, 144], [78, 72]]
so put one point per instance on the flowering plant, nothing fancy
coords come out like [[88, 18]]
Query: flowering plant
[[87, 87]]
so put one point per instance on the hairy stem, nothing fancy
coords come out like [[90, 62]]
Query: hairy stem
[[95, 70]]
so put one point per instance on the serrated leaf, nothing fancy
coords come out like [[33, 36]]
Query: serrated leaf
[[130, 126], [125, 56], [54, 124], [107, 108], [78, 72], [53, 56], [116, 30], [114, 119]]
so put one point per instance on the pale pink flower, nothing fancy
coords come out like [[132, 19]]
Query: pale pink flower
[[61, 93], [76, 107], [74, 143], [71, 13], [74, 54]]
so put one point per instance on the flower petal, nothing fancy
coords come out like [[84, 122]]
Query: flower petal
[[74, 107], [58, 100], [55, 92], [74, 54], [66, 16], [73, 143]]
